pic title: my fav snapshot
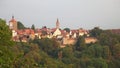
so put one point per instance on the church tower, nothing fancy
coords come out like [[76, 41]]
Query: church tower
[[57, 24], [13, 24]]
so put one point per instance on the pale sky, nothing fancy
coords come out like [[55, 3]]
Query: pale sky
[[71, 13]]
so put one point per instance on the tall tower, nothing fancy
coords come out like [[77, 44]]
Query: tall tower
[[57, 24], [13, 24]]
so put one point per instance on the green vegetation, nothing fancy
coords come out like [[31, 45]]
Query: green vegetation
[[6, 54], [46, 53], [5, 33], [20, 25], [33, 27], [67, 29]]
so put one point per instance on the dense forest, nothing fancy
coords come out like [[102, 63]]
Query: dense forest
[[46, 53]]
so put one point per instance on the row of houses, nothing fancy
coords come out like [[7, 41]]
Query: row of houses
[[24, 35]]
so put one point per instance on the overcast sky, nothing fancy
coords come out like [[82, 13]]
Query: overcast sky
[[71, 13]]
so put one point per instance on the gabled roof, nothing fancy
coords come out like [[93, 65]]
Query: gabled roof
[[74, 31], [53, 30], [38, 31], [25, 31]]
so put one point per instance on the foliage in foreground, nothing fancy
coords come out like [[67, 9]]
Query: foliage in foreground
[[46, 53]]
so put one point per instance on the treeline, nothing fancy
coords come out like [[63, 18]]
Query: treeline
[[46, 53]]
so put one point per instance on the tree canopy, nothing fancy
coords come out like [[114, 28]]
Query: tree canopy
[[6, 54], [33, 27], [20, 25], [46, 53], [67, 29], [5, 33], [96, 32]]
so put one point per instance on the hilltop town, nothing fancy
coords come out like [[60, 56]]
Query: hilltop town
[[59, 34], [56, 48], [64, 37]]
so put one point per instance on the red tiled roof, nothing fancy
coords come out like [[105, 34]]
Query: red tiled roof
[[25, 31], [53, 30], [117, 31], [74, 31]]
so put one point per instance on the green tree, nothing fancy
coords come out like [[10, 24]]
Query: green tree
[[35, 58], [33, 27], [99, 63], [5, 33], [116, 51], [95, 51], [107, 38], [106, 53], [96, 32], [80, 44], [104, 39], [69, 58], [49, 46], [6, 53], [67, 52], [20, 25], [67, 29]]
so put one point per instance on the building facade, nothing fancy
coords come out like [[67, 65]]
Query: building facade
[[13, 24]]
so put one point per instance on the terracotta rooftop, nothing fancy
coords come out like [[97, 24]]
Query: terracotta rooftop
[[117, 31]]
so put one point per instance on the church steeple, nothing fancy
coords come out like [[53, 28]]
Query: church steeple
[[13, 24], [57, 24], [12, 17]]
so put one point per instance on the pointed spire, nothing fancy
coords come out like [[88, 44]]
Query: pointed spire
[[57, 20], [57, 23], [12, 17]]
